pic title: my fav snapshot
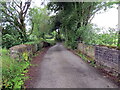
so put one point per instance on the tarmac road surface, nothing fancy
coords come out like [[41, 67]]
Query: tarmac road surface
[[60, 68]]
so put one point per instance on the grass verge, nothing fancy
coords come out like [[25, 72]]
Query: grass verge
[[13, 71]]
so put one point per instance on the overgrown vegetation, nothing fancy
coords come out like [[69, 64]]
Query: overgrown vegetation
[[86, 58], [70, 23], [92, 35], [14, 14], [73, 19], [13, 71], [24, 24], [41, 24]]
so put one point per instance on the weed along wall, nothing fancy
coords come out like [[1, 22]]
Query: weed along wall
[[108, 57], [24, 51], [87, 49], [15, 63]]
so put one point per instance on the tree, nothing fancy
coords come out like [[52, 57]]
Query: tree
[[14, 13], [75, 15], [40, 22]]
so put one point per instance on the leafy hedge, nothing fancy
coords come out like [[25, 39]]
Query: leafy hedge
[[10, 40], [13, 72]]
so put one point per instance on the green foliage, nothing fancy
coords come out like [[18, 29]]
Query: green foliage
[[14, 14], [9, 41], [25, 56], [72, 19], [40, 22], [107, 39], [13, 71], [10, 37], [93, 35], [51, 41], [32, 42], [86, 58]]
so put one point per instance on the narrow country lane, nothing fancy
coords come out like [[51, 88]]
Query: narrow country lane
[[60, 68]]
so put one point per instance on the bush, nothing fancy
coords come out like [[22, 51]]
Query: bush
[[13, 71], [92, 35], [9, 41], [32, 42]]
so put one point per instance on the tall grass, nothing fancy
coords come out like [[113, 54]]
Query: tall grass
[[13, 71]]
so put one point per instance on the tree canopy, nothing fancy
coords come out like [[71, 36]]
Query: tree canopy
[[14, 14], [70, 22], [71, 17]]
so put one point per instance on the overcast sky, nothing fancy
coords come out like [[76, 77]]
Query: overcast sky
[[106, 19]]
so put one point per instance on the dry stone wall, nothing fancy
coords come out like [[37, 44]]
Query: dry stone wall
[[87, 49], [108, 57], [24, 51]]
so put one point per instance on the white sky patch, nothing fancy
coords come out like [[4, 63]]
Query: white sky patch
[[39, 3], [107, 19]]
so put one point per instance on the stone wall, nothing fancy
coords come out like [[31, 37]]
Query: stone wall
[[24, 51], [108, 57], [87, 49]]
